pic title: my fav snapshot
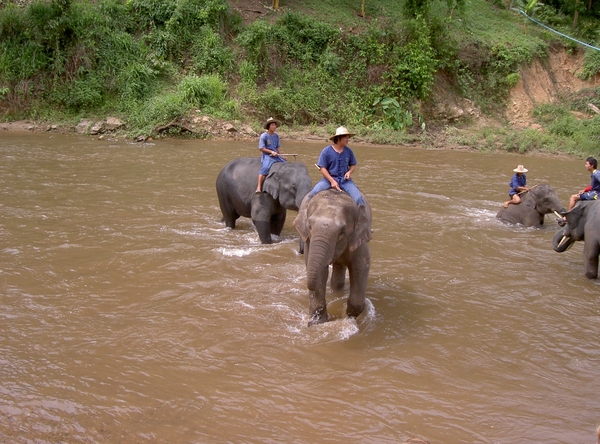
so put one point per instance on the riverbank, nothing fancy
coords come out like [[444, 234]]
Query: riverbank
[[446, 138]]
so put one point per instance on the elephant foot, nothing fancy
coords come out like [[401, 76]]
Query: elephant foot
[[354, 311], [591, 275], [318, 317]]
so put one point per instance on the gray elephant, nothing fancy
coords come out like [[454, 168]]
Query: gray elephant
[[284, 188], [535, 204], [583, 224], [335, 231]]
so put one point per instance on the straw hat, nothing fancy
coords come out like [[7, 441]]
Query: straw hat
[[271, 120], [520, 169], [341, 131]]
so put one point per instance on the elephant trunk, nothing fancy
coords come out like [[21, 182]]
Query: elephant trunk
[[562, 240], [320, 255]]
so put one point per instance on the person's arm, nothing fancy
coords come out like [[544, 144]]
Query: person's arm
[[514, 185], [262, 146], [269, 151], [349, 172], [330, 179], [351, 163]]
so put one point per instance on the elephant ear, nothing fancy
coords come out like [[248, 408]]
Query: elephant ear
[[271, 184], [362, 229], [301, 221], [529, 198]]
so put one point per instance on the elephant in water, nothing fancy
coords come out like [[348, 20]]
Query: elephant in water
[[535, 204], [583, 224], [335, 230], [284, 188]]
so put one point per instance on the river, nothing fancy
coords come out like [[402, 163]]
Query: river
[[130, 314]]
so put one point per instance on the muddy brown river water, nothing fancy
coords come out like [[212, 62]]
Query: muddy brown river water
[[130, 314]]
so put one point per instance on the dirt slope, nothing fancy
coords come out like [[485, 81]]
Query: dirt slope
[[544, 81]]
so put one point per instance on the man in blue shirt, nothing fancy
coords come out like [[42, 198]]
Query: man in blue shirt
[[268, 144], [592, 191], [517, 185], [336, 164]]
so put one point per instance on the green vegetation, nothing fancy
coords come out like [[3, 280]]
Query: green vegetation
[[314, 63]]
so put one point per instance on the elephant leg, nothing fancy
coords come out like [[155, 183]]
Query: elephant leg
[[264, 231], [359, 273], [317, 305], [229, 217], [338, 277], [591, 250]]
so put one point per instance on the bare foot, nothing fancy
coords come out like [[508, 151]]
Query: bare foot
[[506, 204]]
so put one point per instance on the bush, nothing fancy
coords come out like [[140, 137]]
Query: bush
[[209, 53], [413, 65], [205, 91], [135, 81], [160, 110], [85, 92], [591, 65]]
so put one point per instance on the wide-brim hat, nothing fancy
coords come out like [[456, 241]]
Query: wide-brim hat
[[271, 120], [520, 169], [341, 131]]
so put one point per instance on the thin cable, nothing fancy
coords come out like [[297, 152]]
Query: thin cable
[[555, 31]]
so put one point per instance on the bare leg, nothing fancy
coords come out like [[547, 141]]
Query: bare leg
[[261, 180], [573, 200], [516, 200]]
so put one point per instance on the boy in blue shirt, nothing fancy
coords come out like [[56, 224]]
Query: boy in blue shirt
[[590, 192], [517, 185], [268, 144], [337, 163]]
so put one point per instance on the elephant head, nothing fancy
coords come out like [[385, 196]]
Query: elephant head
[[583, 224], [573, 230], [288, 183], [545, 200], [335, 230]]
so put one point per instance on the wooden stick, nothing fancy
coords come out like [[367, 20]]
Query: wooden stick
[[518, 194]]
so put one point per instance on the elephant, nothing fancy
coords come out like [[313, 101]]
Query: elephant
[[583, 224], [284, 188], [335, 231], [535, 204]]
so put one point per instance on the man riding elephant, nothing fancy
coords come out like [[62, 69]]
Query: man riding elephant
[[268, 144], [593, 190], [337, 163], [518, 185]]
